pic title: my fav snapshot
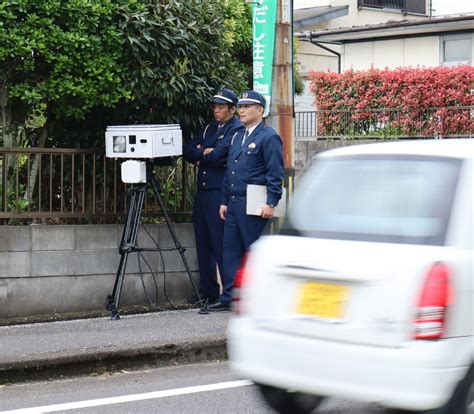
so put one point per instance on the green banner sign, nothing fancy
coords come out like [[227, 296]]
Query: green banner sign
[[264, 17]]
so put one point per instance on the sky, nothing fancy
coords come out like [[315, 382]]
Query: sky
[[441, 7]]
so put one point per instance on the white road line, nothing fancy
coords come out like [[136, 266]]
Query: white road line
[[129, 398]]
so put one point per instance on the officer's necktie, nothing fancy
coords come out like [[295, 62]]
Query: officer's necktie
[[245, 137]]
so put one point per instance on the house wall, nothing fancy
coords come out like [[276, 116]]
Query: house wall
[[305, 101], [420, 51], [355, 16], [364, 16], [311, 57]]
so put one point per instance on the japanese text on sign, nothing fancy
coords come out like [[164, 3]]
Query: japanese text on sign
[[264, 15]]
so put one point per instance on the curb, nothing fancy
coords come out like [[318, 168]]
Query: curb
[[107, 361]]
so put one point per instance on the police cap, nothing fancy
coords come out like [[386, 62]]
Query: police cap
[[252, 98], [225, 96]]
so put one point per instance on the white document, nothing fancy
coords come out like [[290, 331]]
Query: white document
[[257, 198]]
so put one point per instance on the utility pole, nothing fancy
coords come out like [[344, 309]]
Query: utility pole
[[281, 117]]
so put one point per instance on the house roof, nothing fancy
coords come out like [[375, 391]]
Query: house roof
[[393, 29], [311, 16]]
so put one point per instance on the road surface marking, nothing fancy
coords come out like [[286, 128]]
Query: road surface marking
[[129, 398]]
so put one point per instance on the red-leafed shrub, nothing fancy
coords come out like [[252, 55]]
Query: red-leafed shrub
[[405, 101]]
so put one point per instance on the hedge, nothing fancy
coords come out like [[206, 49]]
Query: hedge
[[405, 101]]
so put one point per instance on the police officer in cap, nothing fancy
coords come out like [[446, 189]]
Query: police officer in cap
[[209, 150], [255, 157]]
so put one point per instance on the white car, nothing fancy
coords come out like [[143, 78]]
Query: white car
[[368, 291]]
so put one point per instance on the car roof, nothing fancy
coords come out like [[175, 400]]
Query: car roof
[[456, 148]]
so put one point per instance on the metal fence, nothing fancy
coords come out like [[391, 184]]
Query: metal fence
[[305, 124], [447, 122], [81, 185]]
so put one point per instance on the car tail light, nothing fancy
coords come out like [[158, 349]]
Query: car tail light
[[241, 279], [436, 296]]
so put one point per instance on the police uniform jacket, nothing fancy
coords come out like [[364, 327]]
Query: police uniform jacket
[[258, 161], [211, 166]]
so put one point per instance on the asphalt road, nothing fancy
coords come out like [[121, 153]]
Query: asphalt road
[[199, 388]]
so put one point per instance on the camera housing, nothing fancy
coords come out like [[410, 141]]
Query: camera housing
[[143, 141]]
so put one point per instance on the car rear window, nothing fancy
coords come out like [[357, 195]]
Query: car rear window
[[393, 199]]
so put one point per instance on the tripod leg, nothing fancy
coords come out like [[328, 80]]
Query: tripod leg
[[177, 244], [127, 244], [127, 229], [114, 298]]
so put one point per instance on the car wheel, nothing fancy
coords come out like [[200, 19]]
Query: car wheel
[[287, 402]]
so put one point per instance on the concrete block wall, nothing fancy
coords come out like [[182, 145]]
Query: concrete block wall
[[55, 269]]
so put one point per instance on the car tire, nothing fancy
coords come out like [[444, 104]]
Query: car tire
[[288, 402], [462, 397]]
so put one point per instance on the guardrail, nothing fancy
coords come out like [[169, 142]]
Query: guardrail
[[81, 185], [447, 122]]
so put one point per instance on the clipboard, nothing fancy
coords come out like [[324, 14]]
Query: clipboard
[[257, 198]]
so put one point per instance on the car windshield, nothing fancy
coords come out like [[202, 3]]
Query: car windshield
[[396, 199]]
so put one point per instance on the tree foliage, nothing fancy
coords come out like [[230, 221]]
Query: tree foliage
[[61, 54], [86, 63], [176, 57]]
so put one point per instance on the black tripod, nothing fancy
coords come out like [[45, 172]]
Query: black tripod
[[128, 243]]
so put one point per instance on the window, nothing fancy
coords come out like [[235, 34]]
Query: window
[[389, 4], [456, 49], [392, 199], [405, 6]]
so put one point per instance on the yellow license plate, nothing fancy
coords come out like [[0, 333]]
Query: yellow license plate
[[326, 300]]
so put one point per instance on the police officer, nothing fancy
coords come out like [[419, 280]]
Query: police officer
[[255, 157], [209, 150]]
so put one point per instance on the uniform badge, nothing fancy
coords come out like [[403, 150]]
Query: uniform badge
[[245, 95], [252, 145], [220, 136]]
